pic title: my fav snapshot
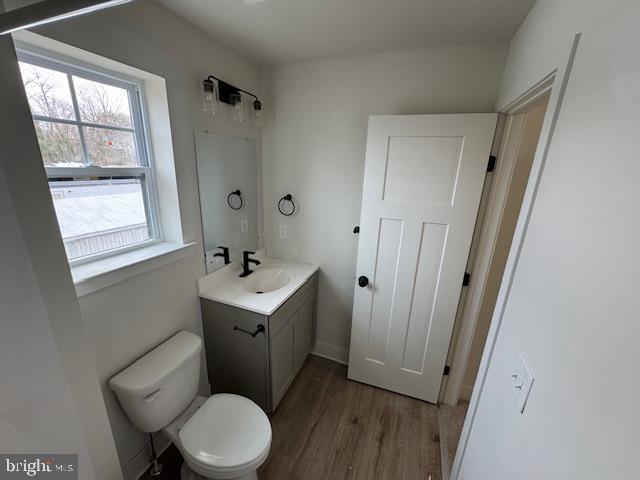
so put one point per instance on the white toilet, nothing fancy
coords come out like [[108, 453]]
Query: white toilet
[[224, 436]]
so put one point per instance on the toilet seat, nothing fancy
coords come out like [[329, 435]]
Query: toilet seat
[[227, 437]]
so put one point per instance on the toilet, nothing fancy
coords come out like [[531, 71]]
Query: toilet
[[224, 436]]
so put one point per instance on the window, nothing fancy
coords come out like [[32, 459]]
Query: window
[[90, 129]]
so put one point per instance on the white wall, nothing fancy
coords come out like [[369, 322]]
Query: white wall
[[37, 411], [574, 303], [128, 319], [313, 148], [50, 399]]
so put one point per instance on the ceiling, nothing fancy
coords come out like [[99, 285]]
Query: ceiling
[[282, 31]]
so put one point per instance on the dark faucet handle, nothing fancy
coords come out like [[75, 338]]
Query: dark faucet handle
[[224, 254], [247, 252]]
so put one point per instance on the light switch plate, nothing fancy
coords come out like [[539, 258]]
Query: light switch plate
[[283, 231], [244, 226], [521, 380]]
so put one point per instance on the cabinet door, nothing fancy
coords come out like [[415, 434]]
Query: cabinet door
[[303, 332], [282, 370], [236, 362]]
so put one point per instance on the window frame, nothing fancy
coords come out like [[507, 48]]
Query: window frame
[[145, 171]]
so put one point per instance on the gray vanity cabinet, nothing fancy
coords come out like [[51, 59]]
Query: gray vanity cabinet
[[290, 347], [236, 362], [259, 367], [303, 332], [282, 371]]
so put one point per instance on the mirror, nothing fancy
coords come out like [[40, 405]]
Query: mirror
[[228, 185]]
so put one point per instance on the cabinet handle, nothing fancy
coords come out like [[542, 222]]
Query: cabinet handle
[[259, 328]]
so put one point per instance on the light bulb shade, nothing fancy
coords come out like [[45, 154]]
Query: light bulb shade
[[209, 97], [237, 108], [257, 114]]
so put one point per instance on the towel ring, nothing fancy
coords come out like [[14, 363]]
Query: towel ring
[[239, 195], [287, 198]]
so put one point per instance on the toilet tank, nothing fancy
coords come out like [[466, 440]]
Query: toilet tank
[[157, 387]]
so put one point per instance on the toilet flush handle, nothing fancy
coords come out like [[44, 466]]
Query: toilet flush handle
[[152, 396]]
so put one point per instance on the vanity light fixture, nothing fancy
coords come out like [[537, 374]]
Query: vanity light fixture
[[257, 117], [209, 97], [215, 90], [237, 107]]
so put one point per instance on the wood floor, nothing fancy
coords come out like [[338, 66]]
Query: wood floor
[[450, 427], [328, 427]]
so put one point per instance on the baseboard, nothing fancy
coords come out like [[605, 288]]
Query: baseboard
[[465, 392], [331, 352]]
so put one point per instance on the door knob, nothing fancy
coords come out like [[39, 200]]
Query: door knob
[[363, 281]]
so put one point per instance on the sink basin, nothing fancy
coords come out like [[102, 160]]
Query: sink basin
[[267, 280], [263, 291]]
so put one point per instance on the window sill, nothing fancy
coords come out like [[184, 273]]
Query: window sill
[[94, 276]]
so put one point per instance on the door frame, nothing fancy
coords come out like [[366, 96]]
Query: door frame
[[554, 82], [481, 259]]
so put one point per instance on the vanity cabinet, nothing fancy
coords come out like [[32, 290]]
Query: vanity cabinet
[[261, 366], [289, 349]]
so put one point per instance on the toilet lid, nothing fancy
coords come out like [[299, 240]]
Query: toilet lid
[[227, 431]]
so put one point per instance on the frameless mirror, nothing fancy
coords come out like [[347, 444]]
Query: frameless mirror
[[228, 184]]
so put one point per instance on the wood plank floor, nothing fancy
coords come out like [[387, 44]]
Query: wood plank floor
[[450, 428], [328, 427]]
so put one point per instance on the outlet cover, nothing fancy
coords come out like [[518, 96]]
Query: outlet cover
[[283, 231]]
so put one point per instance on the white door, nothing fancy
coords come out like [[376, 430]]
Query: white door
[[422, 184]]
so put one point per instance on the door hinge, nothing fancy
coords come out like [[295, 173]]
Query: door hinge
[[446, 370], [466, 279], [491, 166]]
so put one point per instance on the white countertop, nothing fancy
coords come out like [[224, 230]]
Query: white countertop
[[225, 285]]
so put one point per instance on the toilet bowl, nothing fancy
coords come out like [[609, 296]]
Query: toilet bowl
[[226, 437], [223, 436]]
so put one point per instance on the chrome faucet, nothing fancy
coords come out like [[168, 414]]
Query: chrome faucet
[[246, 261]]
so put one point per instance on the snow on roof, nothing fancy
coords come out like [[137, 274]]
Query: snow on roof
[[97, 213]]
